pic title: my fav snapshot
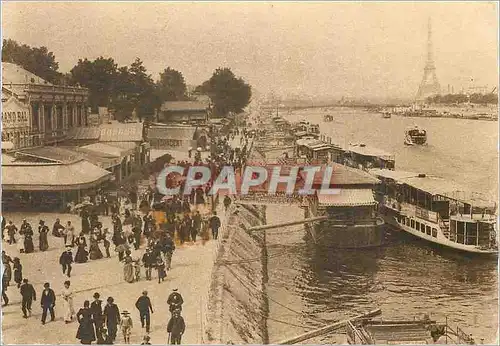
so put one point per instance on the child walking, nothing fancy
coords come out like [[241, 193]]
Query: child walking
[[160, 266], [126, 325]]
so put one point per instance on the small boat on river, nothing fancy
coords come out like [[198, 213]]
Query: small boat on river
[[405, 332], [328, 118], [386, 115], [415, 136]]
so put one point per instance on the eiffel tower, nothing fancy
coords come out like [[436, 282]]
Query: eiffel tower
[[430, 84]]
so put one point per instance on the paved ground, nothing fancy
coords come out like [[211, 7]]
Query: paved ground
[[191, 271], [191, 274]]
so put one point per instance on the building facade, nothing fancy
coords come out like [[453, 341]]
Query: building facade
[[193, 112], [52, 109]]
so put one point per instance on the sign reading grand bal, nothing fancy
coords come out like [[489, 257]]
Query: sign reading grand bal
[[14, 114]]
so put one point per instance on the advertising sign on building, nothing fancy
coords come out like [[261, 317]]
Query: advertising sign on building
[[15, 114]]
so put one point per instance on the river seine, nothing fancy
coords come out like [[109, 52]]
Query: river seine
[[407, 278]]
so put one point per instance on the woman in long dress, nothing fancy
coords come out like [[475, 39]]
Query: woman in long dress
[[95, 252], [85, 221], [81, 254], [18, 272], [86, 332], [27, 231], [28, 243], [67, 295], [7, 275], [69, 235], [20, 243], [43, 230], [128, 268]]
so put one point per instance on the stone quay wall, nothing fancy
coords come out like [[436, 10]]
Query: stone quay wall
[[236, 308]]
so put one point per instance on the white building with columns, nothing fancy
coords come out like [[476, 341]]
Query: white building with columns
[[52, 109]]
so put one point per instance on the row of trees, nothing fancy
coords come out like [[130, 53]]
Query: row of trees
[[127, 88], [476, 98]]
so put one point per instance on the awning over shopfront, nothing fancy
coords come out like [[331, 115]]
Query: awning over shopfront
[[70, 154], [348, 198], [117, 132], [109, 149], [123, 145], [181, 133], [52, 176]]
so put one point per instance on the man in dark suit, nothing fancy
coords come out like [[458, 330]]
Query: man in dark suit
[[175, 328], [48, 301], [65, 260], [96, 308], [215, 224], [175, 301], [112, 316], [28, 296], [144, 306]]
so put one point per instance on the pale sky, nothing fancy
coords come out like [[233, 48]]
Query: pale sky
[[323, 48]]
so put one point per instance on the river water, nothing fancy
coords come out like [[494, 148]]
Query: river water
[[407, 278]]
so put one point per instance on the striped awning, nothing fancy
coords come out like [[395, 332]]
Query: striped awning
[[347, 198]]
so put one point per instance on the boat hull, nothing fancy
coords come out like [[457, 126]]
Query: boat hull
[[391, 219], [415, 141], [355, 234], [352, 236]]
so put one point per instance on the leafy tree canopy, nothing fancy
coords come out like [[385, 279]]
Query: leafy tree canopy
[[99, 76], [171, 86], [37, 60], [463, 98], [227, 92]]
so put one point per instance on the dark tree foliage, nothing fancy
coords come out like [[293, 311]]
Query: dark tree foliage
[[227, 92], [99, 76], [37, 60], [463, 98], [134, 90], [171, 86]]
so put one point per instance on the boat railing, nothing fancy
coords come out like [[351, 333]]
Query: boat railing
[[473, 217], [392, 203], [356, 338], [462, 337], [413, 210]]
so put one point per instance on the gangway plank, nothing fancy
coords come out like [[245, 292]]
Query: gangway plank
[[327, 329]]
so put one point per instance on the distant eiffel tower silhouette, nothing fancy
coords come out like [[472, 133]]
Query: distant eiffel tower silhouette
[[430, 84]]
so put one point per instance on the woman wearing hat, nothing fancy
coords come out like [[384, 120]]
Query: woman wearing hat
[[18, 272], [128, 268], [27, 232], [67, 295], [43, 230], [85, 332]]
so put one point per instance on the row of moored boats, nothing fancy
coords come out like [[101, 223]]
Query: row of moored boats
[[374, 195]]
